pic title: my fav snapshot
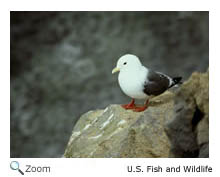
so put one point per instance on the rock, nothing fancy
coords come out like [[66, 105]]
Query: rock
[[174, 125], [188, 131], [115, 132]]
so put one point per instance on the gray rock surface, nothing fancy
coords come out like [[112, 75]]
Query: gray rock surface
[[61, 66], [189, 128], [116, 132]]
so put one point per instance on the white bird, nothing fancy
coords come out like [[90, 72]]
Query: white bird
[[139, 82]]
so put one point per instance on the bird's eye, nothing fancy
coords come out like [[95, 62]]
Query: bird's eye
[[125, 63]]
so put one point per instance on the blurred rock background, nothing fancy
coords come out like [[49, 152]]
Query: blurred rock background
[[61, 66]]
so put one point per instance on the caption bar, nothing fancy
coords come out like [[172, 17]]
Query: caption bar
[[170, 169]]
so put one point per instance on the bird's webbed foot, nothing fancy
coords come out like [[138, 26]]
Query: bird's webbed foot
[[131, 105], [142, 108]]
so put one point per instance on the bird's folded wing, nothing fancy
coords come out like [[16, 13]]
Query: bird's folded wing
[[156, 83]]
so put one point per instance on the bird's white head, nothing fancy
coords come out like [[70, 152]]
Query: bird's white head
[[127, 61]]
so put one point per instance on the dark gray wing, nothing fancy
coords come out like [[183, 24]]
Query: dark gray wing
[[156, 83]]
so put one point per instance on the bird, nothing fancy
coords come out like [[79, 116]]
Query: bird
[[140, 82]]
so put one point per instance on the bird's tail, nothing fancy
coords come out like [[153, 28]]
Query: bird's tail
[[176, 80]]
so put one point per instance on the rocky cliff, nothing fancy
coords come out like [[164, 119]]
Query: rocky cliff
[[175, 125]]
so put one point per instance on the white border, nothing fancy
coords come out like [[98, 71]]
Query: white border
[[109, 167], [113, 5]]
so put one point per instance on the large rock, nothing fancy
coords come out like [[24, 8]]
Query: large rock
[[115, 132], [174, 125], [189, 128]]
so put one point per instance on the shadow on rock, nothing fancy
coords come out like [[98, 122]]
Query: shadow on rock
[[188, 131]]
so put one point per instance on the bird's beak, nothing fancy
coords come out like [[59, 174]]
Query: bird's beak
[[115, 70]]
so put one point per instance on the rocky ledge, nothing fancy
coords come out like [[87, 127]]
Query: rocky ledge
[[175, 125]]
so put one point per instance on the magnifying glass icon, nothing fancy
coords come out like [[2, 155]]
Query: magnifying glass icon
[[15, 166]]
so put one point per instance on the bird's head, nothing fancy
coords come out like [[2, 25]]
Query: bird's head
[[127, 61]]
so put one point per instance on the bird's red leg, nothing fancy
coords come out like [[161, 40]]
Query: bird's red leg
[[140, 109], [131, 105]]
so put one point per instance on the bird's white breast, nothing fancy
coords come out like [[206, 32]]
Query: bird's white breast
[[132, 82]]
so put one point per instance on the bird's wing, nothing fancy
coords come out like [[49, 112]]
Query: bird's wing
[[156, 83]]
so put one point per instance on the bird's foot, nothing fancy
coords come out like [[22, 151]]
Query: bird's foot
[[131, 105], [142, 108], [128, 106]]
